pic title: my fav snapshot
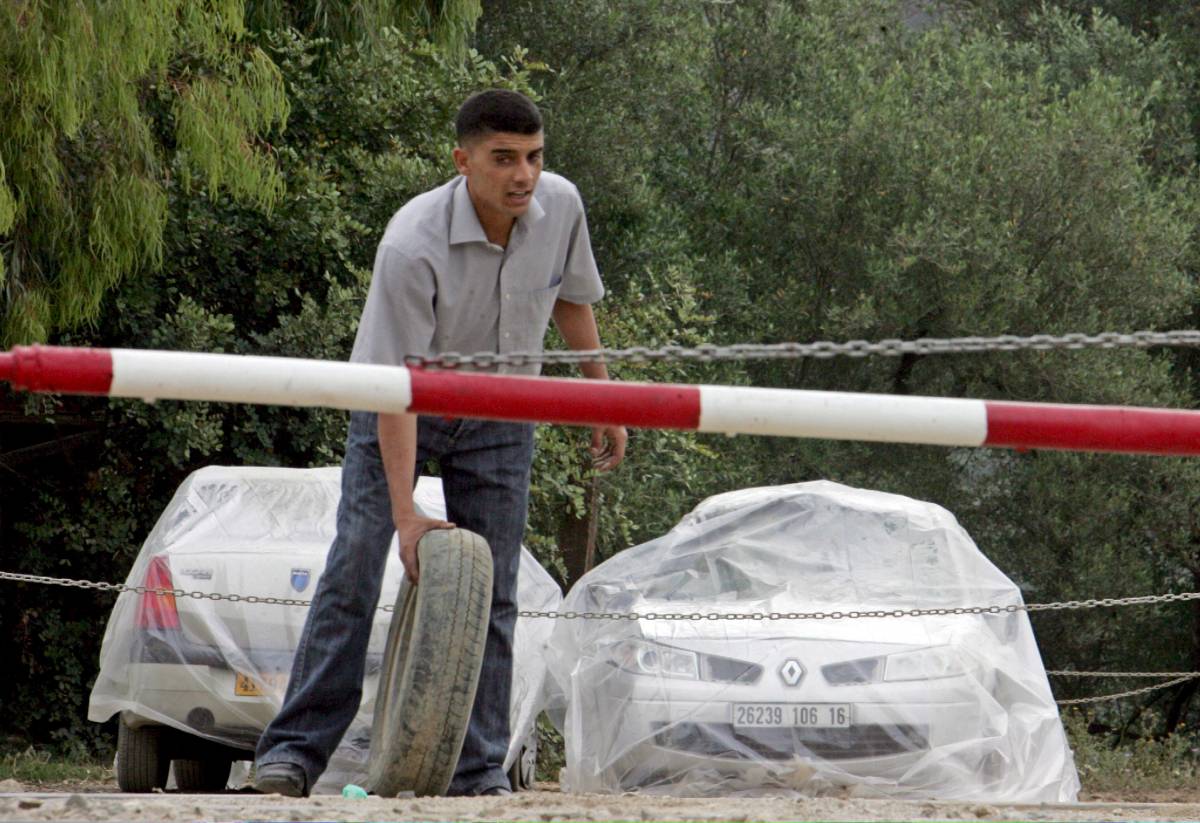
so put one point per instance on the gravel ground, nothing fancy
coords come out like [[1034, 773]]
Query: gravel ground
[[98, 802]]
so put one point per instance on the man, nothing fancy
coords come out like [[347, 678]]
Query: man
[[481, 263]]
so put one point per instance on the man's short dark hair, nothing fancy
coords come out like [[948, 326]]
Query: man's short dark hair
[[497, 110]]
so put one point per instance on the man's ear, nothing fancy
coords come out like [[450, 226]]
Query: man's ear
[[461, 159]]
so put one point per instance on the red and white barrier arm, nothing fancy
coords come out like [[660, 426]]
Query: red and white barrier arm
[[153, 375]]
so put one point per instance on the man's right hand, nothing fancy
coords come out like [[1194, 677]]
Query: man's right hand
[[409, 529]]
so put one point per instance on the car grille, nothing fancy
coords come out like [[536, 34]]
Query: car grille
[[722, 740]]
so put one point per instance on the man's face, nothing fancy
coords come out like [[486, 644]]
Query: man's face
[[502, 170]]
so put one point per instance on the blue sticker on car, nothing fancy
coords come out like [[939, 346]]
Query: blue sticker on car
[[300, 578]]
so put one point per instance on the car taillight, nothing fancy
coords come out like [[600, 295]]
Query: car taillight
[[157, 611]]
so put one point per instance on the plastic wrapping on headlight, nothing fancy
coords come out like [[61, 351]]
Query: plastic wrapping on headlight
[[924, 664], [641, 657]]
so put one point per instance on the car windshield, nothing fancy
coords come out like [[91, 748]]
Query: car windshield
[[799, 551], [249, 510]]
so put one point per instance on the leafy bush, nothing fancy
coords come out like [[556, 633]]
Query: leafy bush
[[1143, 763]]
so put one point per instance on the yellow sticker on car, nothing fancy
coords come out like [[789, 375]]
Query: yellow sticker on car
[[246, 686]]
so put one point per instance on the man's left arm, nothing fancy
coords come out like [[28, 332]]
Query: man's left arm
[[577, 324]]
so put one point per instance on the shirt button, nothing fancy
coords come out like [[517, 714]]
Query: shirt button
[[506, 334], [508, 297]]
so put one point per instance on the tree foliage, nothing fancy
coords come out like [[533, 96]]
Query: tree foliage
[[104, 102], [957, 183], [843, 177], [110, 103], [371, 126], [447, 22]]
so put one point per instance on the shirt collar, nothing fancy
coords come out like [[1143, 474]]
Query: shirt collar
[[534, 213], [464, 222]]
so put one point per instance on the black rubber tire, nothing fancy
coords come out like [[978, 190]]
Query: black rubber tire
[[207, 774], [431, 666], [142, 762]]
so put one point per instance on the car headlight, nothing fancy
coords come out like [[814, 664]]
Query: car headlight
[[655, 659], [728, 670], [853, 672], [924, 664]]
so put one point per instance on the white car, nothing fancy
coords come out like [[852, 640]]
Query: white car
[[703, 701], [196, 678]]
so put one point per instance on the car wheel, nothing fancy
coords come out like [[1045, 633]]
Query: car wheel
[[210, 774], [142, 762], [522, 773], [431, 666]]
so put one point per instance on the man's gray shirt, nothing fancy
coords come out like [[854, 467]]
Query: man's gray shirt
[[440, 286]]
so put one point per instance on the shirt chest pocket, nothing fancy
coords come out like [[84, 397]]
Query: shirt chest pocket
[[525, 316]]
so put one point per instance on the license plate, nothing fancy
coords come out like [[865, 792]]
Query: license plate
[[792, 715], [267, 683]]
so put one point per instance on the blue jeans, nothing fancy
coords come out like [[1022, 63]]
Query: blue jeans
[[485, 475]]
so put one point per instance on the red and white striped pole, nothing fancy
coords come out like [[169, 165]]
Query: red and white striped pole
[[153, 375]]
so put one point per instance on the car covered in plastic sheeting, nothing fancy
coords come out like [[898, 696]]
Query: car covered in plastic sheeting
[[953, 706], [195, 680]]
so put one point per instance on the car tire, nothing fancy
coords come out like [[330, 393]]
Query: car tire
[[523, 772], [431, 666], [202, 775], [142, 762]]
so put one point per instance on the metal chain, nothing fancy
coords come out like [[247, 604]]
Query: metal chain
[[820, 350], [1106, 602], [1079, 701], [180, 593], [1073, 673], [1177, 677]]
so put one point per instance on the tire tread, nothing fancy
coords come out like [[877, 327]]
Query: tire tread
[[206, 774], [142, 762], [426, 695]]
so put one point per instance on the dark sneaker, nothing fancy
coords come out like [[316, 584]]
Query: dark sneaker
[[495, 791], [286, 779]]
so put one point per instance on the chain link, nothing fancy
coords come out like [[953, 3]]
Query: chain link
[[853, 614], [1177, 677], [1079, 701], [1106, 602], [180, 593], [819, 350], [1073, 673]]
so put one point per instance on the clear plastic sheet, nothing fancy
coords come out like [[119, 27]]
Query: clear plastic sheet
[[217, 669], [949, 707]]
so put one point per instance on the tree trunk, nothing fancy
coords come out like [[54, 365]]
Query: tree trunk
[[1184, 692], [577, 535]]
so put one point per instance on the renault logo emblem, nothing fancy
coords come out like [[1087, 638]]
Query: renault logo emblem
[[791, 671]]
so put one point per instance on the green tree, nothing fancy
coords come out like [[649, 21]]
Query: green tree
[[1153, 46], [109, 104], [872, 182], [370, 126], [838, 176], [448, 22], [92, 88]]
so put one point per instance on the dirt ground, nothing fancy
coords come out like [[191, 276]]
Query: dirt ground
[[101, 801]]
